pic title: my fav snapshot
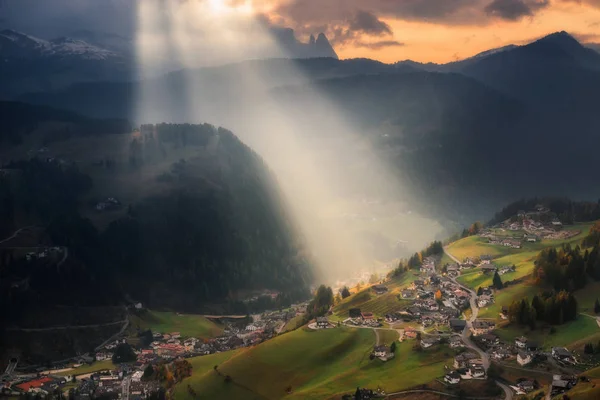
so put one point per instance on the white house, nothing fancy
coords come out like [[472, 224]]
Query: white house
[[452, 378], [477, 372], [380, 351], [322, 323], [523, 358], [520, 342]]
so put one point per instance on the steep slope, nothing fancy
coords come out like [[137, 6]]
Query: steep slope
[[207, 222], [548, 70]]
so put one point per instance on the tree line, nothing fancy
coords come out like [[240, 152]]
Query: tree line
[[566, 210], [435, 248], [568, 267], [554, 308]]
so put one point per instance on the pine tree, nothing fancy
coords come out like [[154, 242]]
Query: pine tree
[[497, 281], [597, 306]]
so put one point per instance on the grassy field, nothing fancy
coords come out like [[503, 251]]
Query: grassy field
[[475, 246], [566, 335], [294, 323], [379, 305], [387, 336], [186, 324], [506, 296], [316, 365], [86, 369]]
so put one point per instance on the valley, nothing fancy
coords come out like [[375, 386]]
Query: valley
[[229, 200]]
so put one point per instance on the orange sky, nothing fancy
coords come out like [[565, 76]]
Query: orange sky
[[442, 41]]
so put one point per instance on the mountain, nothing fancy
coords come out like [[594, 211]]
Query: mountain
[[455, 66], [206, 223], [315, 48], [593, 46], [555, 75], [224, 88], [19, 46], [30, 63], [106, 40]]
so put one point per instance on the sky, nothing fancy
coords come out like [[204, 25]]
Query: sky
[[386, 30]]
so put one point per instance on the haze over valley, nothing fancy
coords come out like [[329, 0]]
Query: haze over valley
[[186, 187]]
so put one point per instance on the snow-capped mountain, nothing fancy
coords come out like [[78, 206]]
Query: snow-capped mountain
[[31, 64], [17, 45]]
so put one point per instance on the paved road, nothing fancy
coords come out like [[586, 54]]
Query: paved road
[[126, 382]]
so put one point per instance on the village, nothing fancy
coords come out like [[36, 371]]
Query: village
[[129, 379], [434, 318]]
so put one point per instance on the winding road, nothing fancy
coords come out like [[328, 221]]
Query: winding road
[[466, 337]]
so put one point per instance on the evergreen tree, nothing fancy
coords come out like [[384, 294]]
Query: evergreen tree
[[497, 282], [345, 292], [597, 306]]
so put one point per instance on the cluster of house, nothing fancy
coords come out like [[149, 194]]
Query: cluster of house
[[562, 383], [164, 347], [109, 203], [506, 242], [356, 317], [466, 365], [428, 265], [124, 381], [435, 301]]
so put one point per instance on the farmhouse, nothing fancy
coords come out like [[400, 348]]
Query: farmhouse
[[407, 294], [455, 342], [367, 316], [481, 327], [464, 360], [526, 386], [428, 342], [523, 358], [457, 325], [484, 300], [452, 377], [380, 351], [562, 354], [477, 372], [520, 342], [380, 289], [488, 269], [410, 333], [322, 323]]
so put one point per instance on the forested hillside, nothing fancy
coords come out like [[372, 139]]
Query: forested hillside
[[217, 227]]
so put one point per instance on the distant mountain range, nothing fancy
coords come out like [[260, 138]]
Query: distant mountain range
[[499, 105], [31, 64]]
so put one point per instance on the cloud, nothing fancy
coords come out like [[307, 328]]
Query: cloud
[[305, 12], [368, 23], [381, 44], [513, 10], [587, 37]]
